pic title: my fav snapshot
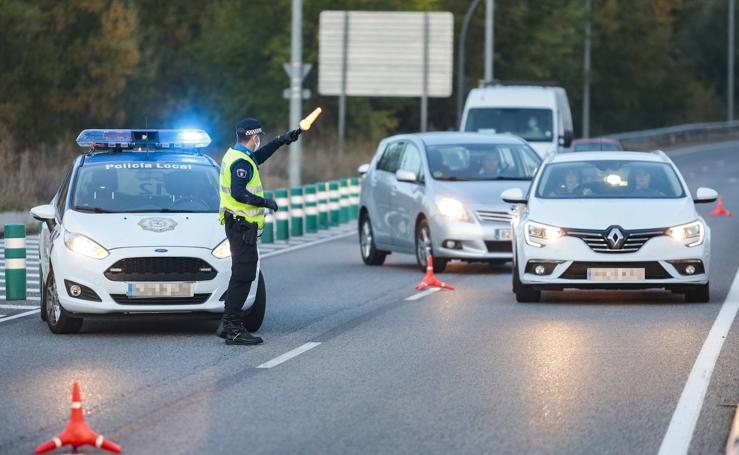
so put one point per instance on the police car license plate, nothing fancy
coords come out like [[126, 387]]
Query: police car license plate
[[148, 290], [616, 274], [503, 234]]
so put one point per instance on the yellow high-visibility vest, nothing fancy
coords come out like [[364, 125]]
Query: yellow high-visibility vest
[[252, 213]]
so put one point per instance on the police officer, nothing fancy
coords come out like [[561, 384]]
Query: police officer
[[242, 211]]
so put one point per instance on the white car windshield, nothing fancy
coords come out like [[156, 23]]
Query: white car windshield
[[482, 161], [608, 179], [534, 125], [158, 187]]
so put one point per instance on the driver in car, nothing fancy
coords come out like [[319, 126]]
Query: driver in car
[[490, 166], [642, 184]]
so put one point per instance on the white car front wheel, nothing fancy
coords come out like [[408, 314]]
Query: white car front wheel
[[57, 318]]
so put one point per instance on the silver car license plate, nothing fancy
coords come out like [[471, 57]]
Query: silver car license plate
[[503, 234], [615, 274], [156, 289]]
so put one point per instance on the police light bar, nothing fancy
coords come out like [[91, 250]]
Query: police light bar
[[149, 139]]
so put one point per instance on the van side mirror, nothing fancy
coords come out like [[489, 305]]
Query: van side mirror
[[362, 169], [513, 196], [704, 195], [566, 139]]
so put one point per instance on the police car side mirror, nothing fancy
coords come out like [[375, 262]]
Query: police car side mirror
[[45, 212], [363, 169]]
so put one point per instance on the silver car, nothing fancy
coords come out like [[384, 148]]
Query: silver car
[[439, 194]]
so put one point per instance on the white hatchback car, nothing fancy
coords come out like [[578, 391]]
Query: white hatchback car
[[134, 229], [610, 220]]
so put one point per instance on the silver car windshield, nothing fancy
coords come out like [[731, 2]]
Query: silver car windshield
[[482, 161], [608, 179], [146, 187], [534, 125]]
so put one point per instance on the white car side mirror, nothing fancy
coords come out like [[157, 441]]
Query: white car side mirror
[[45, 212], [704, 195], [513, 196], [362, 169], [405, 176]]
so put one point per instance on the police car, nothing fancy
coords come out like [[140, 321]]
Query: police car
[[134, 229]]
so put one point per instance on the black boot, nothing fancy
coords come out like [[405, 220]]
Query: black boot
[[234, 331]]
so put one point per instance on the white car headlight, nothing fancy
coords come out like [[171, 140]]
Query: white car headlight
[[223, 250], [84, 246], [451, 208], [537, 234], [692, 233]]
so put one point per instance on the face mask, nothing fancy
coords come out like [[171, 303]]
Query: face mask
[[257, 143]]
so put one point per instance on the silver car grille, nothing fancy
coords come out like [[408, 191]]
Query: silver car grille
[[495, 217], [599, 242]]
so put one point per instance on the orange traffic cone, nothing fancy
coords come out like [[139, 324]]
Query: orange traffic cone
[[430, 279], [720, 209], [78, 433]]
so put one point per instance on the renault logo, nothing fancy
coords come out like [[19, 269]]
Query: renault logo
[[615, 238]]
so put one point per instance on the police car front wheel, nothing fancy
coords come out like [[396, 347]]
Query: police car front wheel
[[57, 318]]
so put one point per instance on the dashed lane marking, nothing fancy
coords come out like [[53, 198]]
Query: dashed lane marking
[[19, 315], [289, 355], [423, 294], [682, 425], [16, 307]]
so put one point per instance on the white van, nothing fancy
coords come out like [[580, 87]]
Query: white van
[[540, 115]]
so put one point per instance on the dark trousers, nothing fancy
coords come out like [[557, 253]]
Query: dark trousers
[[244, 257]]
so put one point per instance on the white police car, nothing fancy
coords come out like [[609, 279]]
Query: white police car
[[610, 220], [134, 229]]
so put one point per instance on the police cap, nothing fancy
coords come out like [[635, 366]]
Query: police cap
[[248, 127]]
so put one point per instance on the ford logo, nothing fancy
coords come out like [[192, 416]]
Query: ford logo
[[160, 250]]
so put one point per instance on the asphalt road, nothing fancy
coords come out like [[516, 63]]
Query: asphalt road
[[464, 371]]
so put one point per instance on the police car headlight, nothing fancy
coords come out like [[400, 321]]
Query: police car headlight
[[84, 246], [223, 250]]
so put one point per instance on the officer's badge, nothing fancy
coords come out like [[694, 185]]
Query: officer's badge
[[241, 173], [158, 224]]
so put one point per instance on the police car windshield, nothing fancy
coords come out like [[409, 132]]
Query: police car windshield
[[146, 187]]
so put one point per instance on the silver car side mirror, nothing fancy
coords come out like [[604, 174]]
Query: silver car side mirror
[[405, 176], [362, 169]]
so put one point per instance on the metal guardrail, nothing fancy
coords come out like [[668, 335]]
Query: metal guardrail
[[676, 135]]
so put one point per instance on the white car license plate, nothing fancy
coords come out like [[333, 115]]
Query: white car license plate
[[503, 234], [148, 290], [616, 274]]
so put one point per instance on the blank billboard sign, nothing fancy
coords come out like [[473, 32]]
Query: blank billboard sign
[[385, 53]]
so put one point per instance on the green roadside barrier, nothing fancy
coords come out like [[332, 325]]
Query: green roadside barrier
[[344, 208], [333, 203], [15, 262], [354, 190], [282, 217], [268, 235], [323, 210], [296, 211], [311, 209]]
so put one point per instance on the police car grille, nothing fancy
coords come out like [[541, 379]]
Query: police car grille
[[597, 242], [161, 269], [495, 217], [126, 300]]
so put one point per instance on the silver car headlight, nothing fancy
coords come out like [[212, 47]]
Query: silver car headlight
[[84, 246], [691, 233], [538, 235], [451, 208], [223, 250]]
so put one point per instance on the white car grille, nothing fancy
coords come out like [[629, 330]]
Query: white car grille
[[599, 241], [494, 216]]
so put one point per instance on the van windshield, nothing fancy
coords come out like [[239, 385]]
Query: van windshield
[[533, 125]]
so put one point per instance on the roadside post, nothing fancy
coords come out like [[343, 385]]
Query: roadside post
[[333, 204], [354, 197], [296, 211], [311, 209], [323, 211], [282, 217], [15, 262], [344, 201], [268, 235]]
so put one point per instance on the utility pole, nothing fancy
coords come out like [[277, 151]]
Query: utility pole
[[461, 53], [489, 39], [730, 66], [296, 89], [586, 71], [425, 76]]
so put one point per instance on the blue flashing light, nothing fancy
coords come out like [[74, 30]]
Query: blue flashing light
[[144, 139]]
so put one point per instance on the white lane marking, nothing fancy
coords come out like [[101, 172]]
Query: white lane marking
[[306, 245], [682, 425], [288, 355], [15, 307], [19, 315], [423, 294]]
